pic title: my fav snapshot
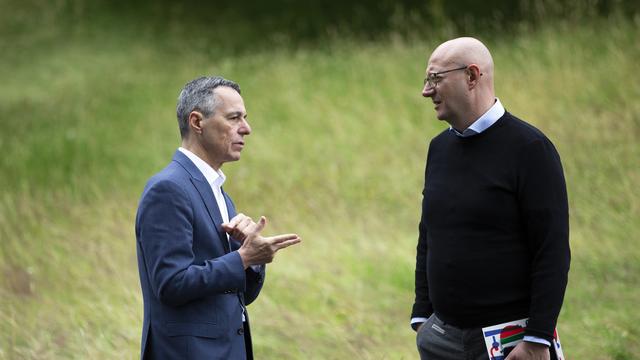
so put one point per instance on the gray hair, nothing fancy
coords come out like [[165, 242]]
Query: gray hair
[[197, 95]]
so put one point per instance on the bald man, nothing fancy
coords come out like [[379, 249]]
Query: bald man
[[493, 242]]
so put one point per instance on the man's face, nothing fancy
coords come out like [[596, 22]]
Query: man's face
[[449, 94], [223, 132]]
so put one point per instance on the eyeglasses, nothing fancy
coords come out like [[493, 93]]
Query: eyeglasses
[[432, 79]]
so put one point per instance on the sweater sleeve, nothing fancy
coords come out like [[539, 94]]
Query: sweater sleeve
[[422, 307], [544, 208]]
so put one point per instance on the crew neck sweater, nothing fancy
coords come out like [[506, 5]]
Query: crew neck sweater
[[494, 231]]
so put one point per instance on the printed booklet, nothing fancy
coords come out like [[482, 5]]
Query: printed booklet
[[502, 338]]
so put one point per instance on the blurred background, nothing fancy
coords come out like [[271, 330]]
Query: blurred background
[[337, 154]]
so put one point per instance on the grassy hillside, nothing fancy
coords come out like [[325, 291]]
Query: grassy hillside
[[337, 155]]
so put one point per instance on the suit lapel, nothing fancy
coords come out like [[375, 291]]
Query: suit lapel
[[231, 209], [204, 189], [212, 207]]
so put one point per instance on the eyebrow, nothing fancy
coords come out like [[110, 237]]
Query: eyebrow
[[235, 113]]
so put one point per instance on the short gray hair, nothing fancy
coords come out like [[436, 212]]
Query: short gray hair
[[197, 95]]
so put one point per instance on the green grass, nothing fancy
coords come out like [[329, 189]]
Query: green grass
[[337, 154]]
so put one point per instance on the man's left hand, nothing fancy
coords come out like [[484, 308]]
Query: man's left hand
[[529, 351], [238, 226]]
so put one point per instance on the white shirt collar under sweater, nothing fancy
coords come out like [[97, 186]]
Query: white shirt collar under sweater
[[487, 119]]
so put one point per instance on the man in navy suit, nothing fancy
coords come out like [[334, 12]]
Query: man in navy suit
[[200, 263]]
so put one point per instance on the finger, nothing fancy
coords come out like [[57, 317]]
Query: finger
[[244, 228], [254, 229], [244, 224], [284, 237], [229, 229], [237, 219], [287, 243], [261, 223], [239, 222]]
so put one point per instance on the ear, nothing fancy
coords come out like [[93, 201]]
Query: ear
[[195, 122], [474, 74]]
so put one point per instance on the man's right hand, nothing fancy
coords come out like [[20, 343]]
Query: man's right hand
[[529, 351], [258, 250]]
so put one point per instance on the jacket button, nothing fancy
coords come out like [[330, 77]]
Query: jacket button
[[240, 331]]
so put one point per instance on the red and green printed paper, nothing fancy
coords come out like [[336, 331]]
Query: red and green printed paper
[[502, 338]]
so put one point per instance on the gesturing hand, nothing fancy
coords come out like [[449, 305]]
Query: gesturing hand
[[258, 250], [238, 226]]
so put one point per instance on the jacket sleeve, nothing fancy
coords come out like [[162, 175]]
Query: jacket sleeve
[[545, 212], [165, 232], [254, 276], [255, 280]]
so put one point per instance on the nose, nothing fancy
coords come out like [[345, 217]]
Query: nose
[[428, 91], [245, 128]]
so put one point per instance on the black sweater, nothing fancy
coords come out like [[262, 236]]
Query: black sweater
[[494, 232]]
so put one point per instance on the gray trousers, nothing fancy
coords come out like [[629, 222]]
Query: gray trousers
[[437, 340]]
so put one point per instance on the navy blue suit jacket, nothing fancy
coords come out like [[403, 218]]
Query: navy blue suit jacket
[[194, 287]]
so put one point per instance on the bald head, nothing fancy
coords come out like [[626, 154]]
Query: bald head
[[465, 51], [459, 80]]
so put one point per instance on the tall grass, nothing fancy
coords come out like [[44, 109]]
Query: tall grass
[[337, 154]]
